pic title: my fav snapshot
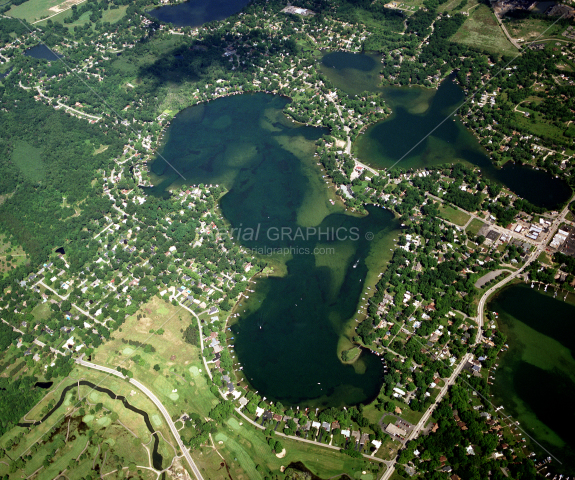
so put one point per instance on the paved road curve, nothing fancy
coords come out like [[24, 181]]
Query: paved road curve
[[158, 404]]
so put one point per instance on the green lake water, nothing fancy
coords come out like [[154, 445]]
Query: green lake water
[[419, 111], [535, 381], [290, 329]]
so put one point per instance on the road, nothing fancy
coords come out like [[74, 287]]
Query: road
[[480, 322], [534, 256], [208, 371], [426, 416], [156, 402], [305, 440], [35, 341], [492, 226], [509, 37], [59, 12]]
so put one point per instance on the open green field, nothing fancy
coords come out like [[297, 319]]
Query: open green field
[[111, 16], [33, 10], [453, 215], [530, 29], [474, 227], [388, 449], [537, 125], [454, 4], [374, 415], [244, 448], [114, 15], [180, 365], [89, 430], [481, 30], [10, 255], [27, 159], [84, 18]]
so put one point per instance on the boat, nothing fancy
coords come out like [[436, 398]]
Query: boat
[[356, 263]]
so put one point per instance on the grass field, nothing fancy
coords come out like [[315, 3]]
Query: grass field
[[481, 30], [119, 436], [453, 215], [388, 449], [474, 227], [109, 15], [530, 29], [243, 448], [10, 255], [537, 125], [84, 18], [33, 10], [27, 159], [180, 364]]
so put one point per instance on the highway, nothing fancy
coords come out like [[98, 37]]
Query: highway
[[158, 404]]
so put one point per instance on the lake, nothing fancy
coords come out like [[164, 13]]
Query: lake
[[416, 112], [291, 330], [195, 13], [352, 73], [535, 381], [42, 52]]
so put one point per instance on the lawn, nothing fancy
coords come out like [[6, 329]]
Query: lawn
[[481, 30], [474, 227], [453, 215]]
